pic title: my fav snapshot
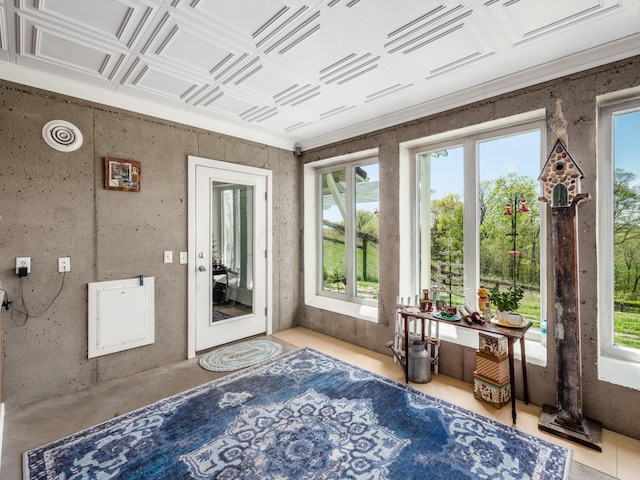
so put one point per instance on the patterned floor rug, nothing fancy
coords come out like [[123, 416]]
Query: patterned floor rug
[[304, 415], [219, 315], [240, 355]]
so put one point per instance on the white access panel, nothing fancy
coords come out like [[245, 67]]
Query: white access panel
[[121, 315]]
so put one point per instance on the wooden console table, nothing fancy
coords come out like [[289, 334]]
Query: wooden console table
[[512, 334]]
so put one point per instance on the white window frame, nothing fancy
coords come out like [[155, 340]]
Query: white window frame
[[468, 138], [616, 364], [315, 296]]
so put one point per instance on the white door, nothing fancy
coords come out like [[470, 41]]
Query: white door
[[229, 253]]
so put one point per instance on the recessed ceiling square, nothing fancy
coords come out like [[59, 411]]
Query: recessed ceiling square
[[52, 46], [246, 16], [107, 18], [164, 84], [446, 51]]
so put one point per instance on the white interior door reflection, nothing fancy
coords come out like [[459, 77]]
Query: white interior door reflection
[[232, 250]]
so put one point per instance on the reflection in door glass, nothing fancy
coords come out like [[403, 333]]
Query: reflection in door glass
[[231, 250]]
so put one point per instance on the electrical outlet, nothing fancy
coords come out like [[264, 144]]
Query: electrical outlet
[[184, 258], [168, 256], [23, 262], [64, 264]]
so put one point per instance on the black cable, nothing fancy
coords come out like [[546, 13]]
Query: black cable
[[26, 312]]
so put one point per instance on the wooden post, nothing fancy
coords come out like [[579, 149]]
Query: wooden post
[[566, 419]]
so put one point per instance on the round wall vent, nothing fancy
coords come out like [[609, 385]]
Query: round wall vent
[[62, 136]]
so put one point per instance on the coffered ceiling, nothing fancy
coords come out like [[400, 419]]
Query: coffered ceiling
[[304, 72]]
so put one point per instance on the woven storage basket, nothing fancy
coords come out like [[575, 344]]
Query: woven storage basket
[[493, 368]]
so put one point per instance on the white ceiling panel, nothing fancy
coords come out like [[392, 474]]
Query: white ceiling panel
[[246, 17], [39, 42], [319, 52], [449, 48], [277, 121], [305, 72], [399, 20], [120, 20], [313, 103], [367, 83], [228, 104], [177, 44], [154, 81], [264, 83], [524, 19]]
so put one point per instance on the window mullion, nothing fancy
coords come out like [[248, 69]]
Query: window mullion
[[350, 237], [471, 221]]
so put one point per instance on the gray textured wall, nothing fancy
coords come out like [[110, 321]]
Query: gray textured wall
[[603, 401], [54, 204]]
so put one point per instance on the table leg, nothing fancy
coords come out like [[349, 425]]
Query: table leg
[[512, 380], [406, 349], [524, 372]]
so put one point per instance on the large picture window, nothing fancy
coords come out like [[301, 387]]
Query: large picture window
[[619, 221], [479, 217]]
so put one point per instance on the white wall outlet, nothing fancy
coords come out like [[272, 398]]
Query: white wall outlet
[[64, 264], [23, 262], [184, 258], [168, 256]]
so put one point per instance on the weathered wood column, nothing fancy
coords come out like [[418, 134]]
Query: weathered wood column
[[561, 185]]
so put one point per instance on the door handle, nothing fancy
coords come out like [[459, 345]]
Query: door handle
[[202, 268]]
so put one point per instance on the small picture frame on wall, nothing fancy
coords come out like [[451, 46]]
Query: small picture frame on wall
[[122, 175]]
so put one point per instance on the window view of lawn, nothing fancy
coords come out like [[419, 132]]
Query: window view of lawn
[[626, 225], [350, 211], [506, 229]]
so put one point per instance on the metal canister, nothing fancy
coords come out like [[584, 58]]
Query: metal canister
[[419, 363]]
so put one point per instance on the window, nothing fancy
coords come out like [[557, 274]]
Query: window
[[349, 199], [619, 230], [478, 215], [344, 196]]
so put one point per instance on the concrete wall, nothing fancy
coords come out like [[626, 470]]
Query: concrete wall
[[603, 401], [54, 204]]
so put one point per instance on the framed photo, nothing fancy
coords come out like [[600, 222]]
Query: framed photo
[[122, 174]]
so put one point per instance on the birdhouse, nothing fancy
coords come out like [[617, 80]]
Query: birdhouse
[[560, 177]]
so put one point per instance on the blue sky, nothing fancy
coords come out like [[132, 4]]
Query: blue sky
[[517, 153], [497, 157], [627, 142]]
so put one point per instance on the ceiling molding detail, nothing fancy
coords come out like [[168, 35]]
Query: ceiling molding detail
[[305, 72]]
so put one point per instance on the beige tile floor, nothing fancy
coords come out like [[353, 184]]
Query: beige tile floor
[[34, 425], [620, 456]]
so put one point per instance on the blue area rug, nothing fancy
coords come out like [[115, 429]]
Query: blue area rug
[[304, 415]]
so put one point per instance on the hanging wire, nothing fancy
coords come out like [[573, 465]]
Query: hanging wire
[[26, 313]]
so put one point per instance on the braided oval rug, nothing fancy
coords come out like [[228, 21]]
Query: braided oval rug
[[240, 355]]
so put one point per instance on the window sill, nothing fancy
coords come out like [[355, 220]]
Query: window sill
[[619, 372], [351, 309]]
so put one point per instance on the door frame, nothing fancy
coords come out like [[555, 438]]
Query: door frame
[[193, 162]]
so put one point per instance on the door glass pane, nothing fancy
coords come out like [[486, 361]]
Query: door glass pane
[[232, 250], [441, 190], [334, 273], [626, 223], [510, 217], [366, 227]]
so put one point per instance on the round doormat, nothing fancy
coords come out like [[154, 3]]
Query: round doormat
[[240, 355]]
